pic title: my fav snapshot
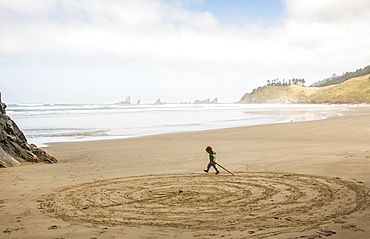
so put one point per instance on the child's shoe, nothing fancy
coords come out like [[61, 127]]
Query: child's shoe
[[206, 171], [217, 172]]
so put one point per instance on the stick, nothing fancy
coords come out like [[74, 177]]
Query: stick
[[225, 169]]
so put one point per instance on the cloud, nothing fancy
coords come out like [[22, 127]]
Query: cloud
[[329, 29], [123, 27], [167, 30], [171, 46], [328, 12]]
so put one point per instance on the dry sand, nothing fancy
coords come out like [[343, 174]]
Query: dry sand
[[292, 180]]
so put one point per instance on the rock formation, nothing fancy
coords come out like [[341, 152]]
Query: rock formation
[[14, 147], [158, 102], [128, 100], [207, 101]]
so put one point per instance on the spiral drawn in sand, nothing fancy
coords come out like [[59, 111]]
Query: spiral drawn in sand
[[269, 203]]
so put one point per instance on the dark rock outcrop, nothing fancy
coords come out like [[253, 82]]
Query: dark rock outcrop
[[14, 147]]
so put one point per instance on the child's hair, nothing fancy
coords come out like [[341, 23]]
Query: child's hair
[[209, 148]]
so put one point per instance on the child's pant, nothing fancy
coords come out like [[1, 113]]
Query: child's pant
[[213, 164]]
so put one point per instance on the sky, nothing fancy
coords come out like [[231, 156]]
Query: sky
[[83, 51]]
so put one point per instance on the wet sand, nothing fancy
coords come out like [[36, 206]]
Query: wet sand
[[292, 180]]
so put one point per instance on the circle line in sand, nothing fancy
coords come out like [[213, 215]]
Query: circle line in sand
[[269, 202]]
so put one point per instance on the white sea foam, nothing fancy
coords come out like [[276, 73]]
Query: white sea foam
[[43, 123]]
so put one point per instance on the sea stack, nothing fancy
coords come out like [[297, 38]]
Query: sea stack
[[128, 100], [158, 102], [207, 101], [14, 147]]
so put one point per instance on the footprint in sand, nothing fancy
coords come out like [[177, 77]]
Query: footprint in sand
[[2, 202], [352, 227], [53, 227]]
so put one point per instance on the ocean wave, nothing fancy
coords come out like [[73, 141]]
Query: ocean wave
[[68, 122], [58, 109], [64, 132]]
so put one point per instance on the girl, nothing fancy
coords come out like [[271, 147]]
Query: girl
[[212, 160]]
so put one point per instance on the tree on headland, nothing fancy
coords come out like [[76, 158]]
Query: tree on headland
[[337, 79], [294, 81]]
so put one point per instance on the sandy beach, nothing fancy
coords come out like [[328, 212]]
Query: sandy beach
[[292, 180]]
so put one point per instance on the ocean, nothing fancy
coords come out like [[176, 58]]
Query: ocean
[[46, 123]]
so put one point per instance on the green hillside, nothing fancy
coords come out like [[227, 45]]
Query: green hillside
[[355, 90], [342, 78]]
